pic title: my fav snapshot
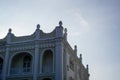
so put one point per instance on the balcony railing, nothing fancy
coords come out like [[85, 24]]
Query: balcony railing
[[20, 71]]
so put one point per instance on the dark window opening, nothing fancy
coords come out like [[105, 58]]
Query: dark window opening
[[27, 64]]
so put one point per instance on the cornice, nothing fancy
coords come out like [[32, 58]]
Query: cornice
[[29, 45]]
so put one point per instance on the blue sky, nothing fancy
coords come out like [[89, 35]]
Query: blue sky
[[94, 25]]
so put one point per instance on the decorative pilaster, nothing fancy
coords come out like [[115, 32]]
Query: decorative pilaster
[[41, 59], [6, 58], [59, 53], [59, 61], [75, 62], [87, 68], [59, 30], [36, 55], [36, 58], [5, 63]]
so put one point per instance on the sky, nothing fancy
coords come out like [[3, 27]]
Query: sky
[[93, 25]]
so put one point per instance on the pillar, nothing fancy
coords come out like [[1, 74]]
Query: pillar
[[6, 58], [59, 61], [5, 64], [36, 55], [75, 62], [36, 59]]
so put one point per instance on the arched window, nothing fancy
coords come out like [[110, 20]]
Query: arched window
[[21, 63], [1, 64], [27, 64], [47, 63]]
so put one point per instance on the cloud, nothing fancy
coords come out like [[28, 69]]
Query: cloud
[[81, 21], [78, 23], [104, 72]]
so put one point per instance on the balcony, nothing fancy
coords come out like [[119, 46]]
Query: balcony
[[20, 71]]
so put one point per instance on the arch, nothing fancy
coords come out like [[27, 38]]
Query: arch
[[16, 53], [21, 63], [47, 61], [46, 50]]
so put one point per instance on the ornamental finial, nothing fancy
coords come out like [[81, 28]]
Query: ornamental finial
[[60, 23], [80, 56], [38, 26], [10, 30], [75, 47], [65, 30], [87, 67]]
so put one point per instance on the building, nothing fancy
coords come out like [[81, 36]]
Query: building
[[40, 56]]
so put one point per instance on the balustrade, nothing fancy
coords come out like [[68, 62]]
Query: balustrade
[[18, 71]]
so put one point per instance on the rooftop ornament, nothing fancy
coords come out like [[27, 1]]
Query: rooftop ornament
[[38, 26], [80, 56], [10, 30], [87, 69], [60, 23], [76, 47], [87, 66], [65, 30]]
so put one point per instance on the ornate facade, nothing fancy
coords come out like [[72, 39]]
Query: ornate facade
[[40, 56]]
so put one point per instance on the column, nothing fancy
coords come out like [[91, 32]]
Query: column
[[59, 61], [5, 64], [75, 62], [36, 58], [41, 58], [6, 58]]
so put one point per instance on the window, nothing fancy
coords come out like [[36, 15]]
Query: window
[[27, 64], [47, 65]]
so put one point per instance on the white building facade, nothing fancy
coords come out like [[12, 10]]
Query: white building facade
[[40, 56]]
